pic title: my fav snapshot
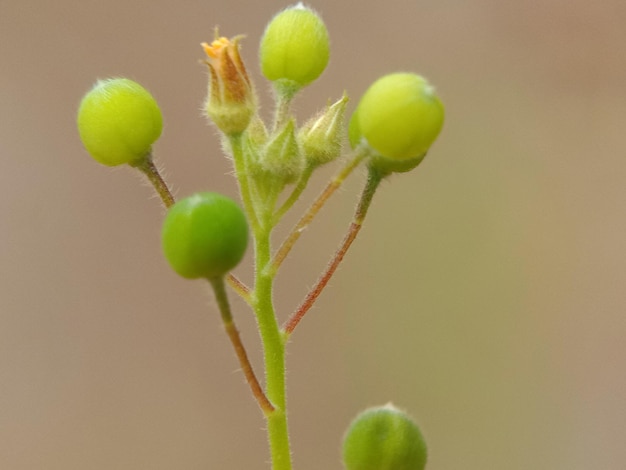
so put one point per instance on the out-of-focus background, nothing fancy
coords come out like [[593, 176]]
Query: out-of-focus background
[[486, 294]]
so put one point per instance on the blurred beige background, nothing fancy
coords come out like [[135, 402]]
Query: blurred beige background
[[486, 294]]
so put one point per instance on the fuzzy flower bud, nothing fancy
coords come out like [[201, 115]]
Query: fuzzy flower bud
[[254, 139], [231, 101], [118, 121], [281, 157], [399, 117], [384, 438], [295, 48], [322, 136]]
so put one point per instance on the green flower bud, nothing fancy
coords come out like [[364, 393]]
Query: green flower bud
[[204, 235], [118, 121], [399, 117], [384, 438], [322, 136], [281, 158], [295, 48], [231, 102]]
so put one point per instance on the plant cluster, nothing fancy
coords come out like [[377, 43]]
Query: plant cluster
[[205, 235]]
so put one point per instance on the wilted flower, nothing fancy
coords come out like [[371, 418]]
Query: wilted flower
[[231, 101]]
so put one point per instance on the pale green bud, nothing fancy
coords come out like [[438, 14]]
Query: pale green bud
[[118, 121], [398, 117], [295, 48], [322, 136]]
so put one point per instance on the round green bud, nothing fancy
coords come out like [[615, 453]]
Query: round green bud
[[295, 47], [118, 121], [204, 235], [399, 117], [384, 438]]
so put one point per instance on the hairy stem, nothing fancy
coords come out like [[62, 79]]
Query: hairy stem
[[274, 355], [295, 194], [239, 287], [284, 96], [244, 180], [148, 168]]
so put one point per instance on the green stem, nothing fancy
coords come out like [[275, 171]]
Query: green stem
[[243, 179], [373, 181], [274, 354], [295, 194], [284, 95]]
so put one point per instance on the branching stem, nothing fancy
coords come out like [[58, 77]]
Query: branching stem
[[295, 194], [308, 216], [233, 334], [373, 180]]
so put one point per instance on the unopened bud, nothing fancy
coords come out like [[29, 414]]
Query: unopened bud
[[321, 137], [281, 157], [118, 121], [295, 48], [398, 117], [204, 235]]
